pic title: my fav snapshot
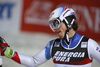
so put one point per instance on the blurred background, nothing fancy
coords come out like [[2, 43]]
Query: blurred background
[[24, 24]]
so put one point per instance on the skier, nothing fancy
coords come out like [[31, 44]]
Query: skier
[[68, 50]]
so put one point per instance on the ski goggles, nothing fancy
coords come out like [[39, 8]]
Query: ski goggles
[[55, 24]]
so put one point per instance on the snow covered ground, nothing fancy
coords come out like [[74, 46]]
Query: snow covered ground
[[29, 44]]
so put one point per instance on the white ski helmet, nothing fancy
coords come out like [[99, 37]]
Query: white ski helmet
[[62, 14]]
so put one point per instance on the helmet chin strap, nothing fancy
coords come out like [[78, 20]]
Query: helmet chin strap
[[68, 28], [66, 35]]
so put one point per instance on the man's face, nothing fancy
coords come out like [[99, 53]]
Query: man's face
[[61, 31]]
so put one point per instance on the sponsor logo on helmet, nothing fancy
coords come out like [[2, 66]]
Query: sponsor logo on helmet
[[51, 14]]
